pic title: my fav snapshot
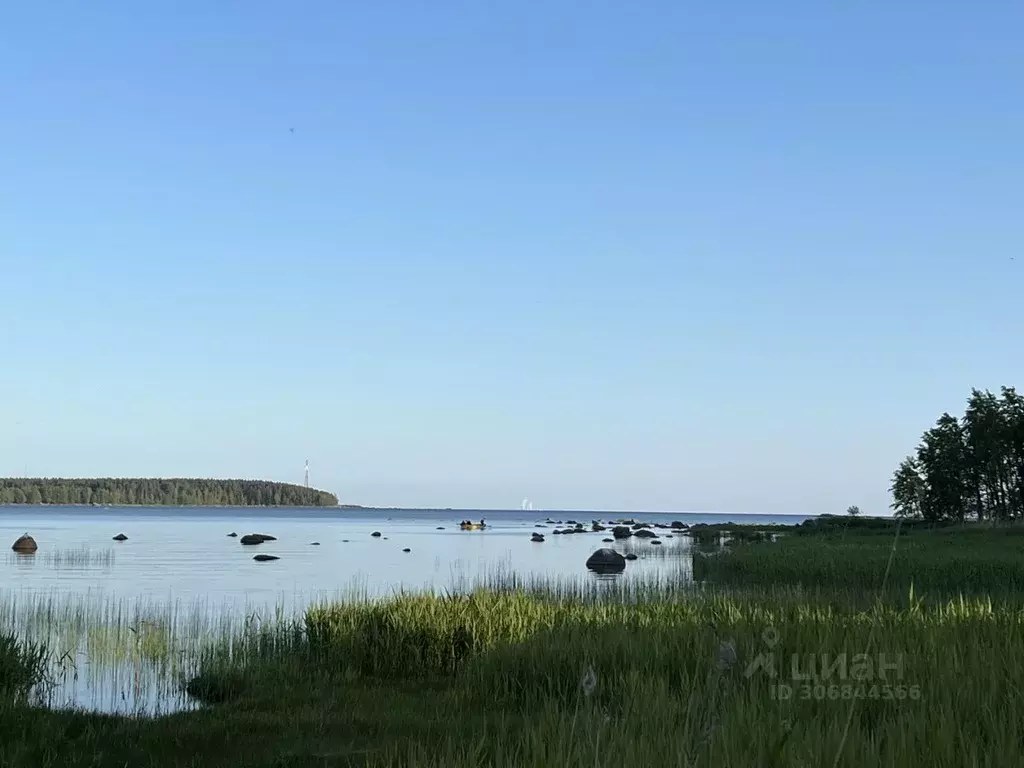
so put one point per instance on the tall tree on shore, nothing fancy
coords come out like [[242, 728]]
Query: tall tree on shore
[[907, 489], [968, 468], [1012, 408], [941, 458], [985, 437]]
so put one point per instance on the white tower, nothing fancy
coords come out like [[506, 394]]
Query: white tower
[[307, 473]]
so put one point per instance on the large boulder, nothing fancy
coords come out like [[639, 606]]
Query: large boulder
[[25, 545], [678, 524], [621, 532], [606, 560], [256, 538]]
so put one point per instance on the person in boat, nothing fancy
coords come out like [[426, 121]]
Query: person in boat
[[482, 523]]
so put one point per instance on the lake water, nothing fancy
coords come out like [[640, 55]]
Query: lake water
[[183, 557]]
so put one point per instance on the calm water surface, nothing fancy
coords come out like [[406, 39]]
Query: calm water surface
[[183, 557]]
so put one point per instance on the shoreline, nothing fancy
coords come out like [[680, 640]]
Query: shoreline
[[454, 510]]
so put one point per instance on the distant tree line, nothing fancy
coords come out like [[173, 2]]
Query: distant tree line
[[162, 492], [971, 468]]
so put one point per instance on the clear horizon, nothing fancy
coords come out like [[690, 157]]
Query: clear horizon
[[604, 256]]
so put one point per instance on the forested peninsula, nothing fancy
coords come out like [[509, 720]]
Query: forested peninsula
[[183, 492]]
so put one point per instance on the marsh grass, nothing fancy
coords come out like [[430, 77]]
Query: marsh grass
[[78, 558], [24, 666], [661, 693], [943, 561]]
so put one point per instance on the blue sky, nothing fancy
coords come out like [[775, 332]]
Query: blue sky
[[680, 256]]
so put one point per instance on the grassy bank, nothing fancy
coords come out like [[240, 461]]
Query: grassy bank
[[528, 674], [948, 560]]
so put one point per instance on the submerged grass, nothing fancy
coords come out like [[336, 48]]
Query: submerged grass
[[792, 670]]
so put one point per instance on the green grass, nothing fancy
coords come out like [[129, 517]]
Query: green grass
[[533, 673], [497, 679], [23, 666], [945, 561]]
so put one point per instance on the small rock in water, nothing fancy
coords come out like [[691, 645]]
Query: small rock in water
[[344, 541], [655, 541], [643, 533], [120, 537], [538, 537], [407, 550], [440, 527], [375, 534], [631, 556], [265, 558], [607, 541], [233, 535], [314, 544], [25, 545]]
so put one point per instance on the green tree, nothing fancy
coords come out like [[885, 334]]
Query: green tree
[[853, 510], [907, 489]]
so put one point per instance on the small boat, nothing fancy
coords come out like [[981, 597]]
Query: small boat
[[466, 525]]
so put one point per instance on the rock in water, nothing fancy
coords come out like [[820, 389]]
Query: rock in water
[[537, 537], [120, 537], [256, 538], [375, 534], [233, 535], [606, 560], [314, 544], [631, 556], [643, 533], [607, 541], [678, 524], [265, 558], [407, 550], [25, 545], [621, 532]]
